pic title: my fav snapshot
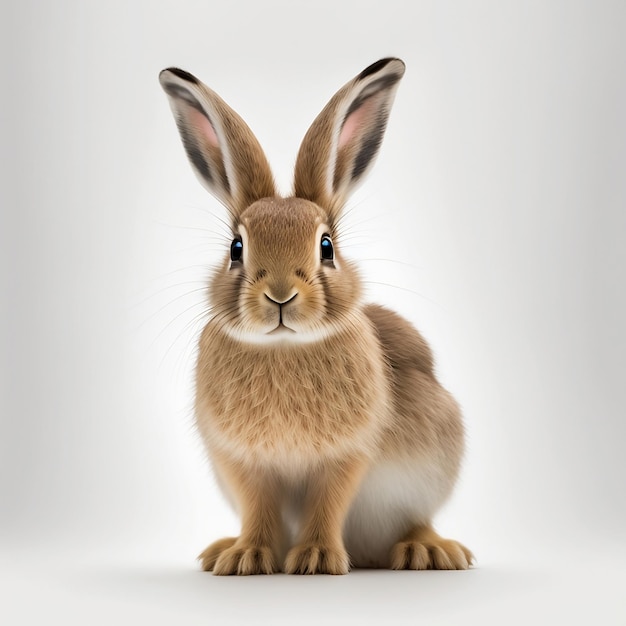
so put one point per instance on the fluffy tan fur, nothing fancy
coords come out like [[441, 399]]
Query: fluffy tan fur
[[322, 416]]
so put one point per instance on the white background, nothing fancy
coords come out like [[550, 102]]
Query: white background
[[494, 220]]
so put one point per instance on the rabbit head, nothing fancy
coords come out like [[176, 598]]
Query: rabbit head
[[284, 279]]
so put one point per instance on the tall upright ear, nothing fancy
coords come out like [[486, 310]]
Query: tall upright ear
[[224, 153], [344, 139]]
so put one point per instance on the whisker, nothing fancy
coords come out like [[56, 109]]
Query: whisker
[[164, 329], [168, 287], [170, 303], [415, 293], [186, 268], [214, 216], [194, 321], [414, 267]]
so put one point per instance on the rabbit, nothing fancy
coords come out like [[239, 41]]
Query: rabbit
[[322, 417]]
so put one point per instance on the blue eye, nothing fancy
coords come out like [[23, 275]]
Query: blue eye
[[326, 249], [236, 249]]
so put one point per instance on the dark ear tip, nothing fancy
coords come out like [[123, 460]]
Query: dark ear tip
[[399, 67], [179, 73]]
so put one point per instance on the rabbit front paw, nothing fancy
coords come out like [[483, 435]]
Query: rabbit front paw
[[244, 560], [317, 559], [211, 554]]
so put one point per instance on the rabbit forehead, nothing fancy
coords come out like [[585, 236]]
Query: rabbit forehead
[[282, 225]]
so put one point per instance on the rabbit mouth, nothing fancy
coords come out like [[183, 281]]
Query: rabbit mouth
[[279, 335], [281, 329]]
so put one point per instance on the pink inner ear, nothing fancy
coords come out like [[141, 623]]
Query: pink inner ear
[[205, 127], [356, 121]]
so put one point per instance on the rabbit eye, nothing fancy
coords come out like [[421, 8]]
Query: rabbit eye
[[326, 249], [236, 249]]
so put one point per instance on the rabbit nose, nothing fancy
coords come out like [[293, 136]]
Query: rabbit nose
[[280, 302]]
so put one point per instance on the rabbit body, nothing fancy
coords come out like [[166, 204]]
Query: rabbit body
[[322, 416], [262, 422]]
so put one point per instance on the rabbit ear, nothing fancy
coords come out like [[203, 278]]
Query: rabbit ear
[[345, 137], [225, 155]]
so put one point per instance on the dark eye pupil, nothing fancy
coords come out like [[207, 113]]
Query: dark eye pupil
[[326, 246], [236, 250]]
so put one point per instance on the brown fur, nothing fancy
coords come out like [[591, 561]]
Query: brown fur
[[425, 416], [309, 402], [423, 548]]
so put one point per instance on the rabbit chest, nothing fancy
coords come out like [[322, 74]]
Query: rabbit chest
[[291, 405]]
